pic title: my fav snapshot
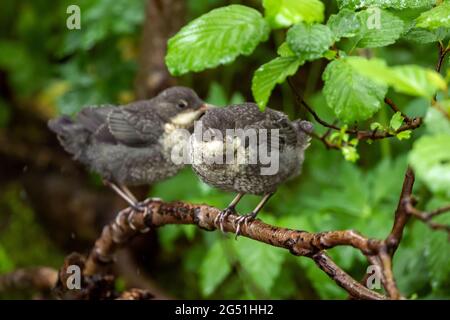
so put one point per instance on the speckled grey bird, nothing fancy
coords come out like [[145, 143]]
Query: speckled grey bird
[[130, 145], [246, 177]]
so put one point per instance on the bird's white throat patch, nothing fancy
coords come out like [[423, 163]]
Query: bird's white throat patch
[[185, 119]]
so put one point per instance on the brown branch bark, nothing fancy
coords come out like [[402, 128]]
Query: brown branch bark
[[42, 279], [426, 217], [298, 242]]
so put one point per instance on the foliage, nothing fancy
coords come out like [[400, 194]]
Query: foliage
[[231, 53], [354, 90]]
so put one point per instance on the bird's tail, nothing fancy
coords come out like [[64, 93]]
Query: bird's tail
[[72, 136]]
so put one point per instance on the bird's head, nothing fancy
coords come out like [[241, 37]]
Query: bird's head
[[180, 107]]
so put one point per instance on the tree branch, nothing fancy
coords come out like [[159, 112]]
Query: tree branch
[[300, 243], [410, 124], [42, 279]]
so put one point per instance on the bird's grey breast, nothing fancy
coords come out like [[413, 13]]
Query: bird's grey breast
[[248, 176]]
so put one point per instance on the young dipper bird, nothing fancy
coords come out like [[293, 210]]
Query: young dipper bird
[[130, 145], [274, 137]]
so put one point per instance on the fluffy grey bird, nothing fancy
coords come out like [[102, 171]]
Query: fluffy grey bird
[[284, 140], [130, 145]]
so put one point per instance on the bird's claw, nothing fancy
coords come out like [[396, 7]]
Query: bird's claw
[[220, 218], [243, 220], [137, 207]]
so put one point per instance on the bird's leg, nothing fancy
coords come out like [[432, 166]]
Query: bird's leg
[[252, 215], [129, 193], [125, 195], [128, 196], [220, 218]]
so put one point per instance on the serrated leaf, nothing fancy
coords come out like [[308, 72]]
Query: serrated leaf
[[395, 4], [396, 121], [261, 263], [309, 41], [214, 268], [284, 13], [270, 74], [426, 36], [379, 28], [410, 79], [344, 24], [437, 17], [215, 38], [352, 96], [436, 122], [430, 158]]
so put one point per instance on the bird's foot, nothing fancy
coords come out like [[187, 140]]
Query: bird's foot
[[220, 218], [244, 220], [138, 207]]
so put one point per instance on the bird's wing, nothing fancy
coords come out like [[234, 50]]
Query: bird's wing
[[93, 119], [134, 127], [277, 121], [129, 126]]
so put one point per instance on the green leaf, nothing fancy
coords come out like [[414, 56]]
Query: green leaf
[[215, 38], [379, 28], [426, 36], [376, 126], [284, 13], [410, 79], [404, 135], [350, 153], [214, 268], [261, 263], [437, 17], [271, 73], [395, 4], [436, 122], [430, 158], [284, 50], [352, 96], [344, 24], [396, 121], [438, 259], [309, 41]]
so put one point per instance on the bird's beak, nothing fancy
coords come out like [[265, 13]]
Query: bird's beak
[[206, 106]]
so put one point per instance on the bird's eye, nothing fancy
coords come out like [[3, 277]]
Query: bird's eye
[[182, 104]]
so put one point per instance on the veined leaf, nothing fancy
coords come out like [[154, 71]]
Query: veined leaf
[[352, 96], [215, 38], [436, 122], [427, 36], [344, 24], [395, 4], [309, 41], [410, 79], [262, 263], [430, 158], [270, 74], [379, 28], [214, 268], [437, 17], [284, 13]]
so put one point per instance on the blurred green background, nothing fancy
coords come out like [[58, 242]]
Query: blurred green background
[[50, 206]]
